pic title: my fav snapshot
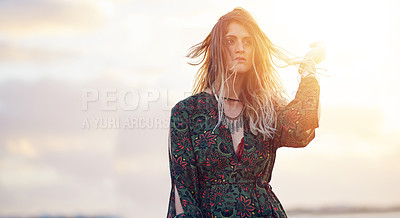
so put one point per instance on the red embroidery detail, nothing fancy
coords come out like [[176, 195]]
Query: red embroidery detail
[[240, 149]]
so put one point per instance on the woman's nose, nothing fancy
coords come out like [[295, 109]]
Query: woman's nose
[[239, 48]]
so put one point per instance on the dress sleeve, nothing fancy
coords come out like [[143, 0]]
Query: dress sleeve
[[183, 167], [297, 121]]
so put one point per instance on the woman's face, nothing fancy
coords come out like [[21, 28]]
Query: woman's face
[[240, 48]]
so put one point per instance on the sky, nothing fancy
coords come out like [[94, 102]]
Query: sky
[[86, 89]]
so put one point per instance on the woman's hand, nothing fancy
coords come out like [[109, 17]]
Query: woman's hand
[[312, 58], [317, 53]]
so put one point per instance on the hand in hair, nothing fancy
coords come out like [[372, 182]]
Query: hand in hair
[[317, 53]]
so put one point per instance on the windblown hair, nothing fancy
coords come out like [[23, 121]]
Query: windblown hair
[[262, 91]]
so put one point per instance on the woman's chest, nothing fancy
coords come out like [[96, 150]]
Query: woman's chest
[[215, 151]]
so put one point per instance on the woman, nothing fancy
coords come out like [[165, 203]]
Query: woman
[[223, 138]]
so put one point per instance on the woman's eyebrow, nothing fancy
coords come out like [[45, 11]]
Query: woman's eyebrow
[[233, 36]]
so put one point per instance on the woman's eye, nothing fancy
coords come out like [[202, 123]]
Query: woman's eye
[[230, 41], [247, 42]]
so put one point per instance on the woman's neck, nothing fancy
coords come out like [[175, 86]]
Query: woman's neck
[[235, 87]]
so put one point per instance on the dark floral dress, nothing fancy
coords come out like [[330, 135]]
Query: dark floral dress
[[210, 179]]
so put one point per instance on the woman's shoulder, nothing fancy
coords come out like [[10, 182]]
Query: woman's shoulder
[[194, 102]]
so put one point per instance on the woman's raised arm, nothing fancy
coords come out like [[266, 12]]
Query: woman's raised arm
[[297, 121]]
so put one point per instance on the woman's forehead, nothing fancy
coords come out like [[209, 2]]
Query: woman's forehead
[[235, 29]]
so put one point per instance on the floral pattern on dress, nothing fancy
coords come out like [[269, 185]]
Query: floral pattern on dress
[[210, 178]]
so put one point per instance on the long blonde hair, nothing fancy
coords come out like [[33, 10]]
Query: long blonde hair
[[263, 91]]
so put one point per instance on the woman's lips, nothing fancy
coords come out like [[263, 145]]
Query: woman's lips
[[240, 59]]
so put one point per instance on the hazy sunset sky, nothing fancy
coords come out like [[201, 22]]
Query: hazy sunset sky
[[54, 53]]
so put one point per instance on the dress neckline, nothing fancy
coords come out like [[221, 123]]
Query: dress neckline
[[239, 152]]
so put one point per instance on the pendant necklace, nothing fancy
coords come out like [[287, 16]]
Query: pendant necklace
[[233, 123]]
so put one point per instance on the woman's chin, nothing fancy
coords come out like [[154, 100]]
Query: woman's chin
[[240, 70]]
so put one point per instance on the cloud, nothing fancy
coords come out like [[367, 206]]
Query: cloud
[[358, 125], [22, 147], [45, 152], [48, 17], [14, 52]]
